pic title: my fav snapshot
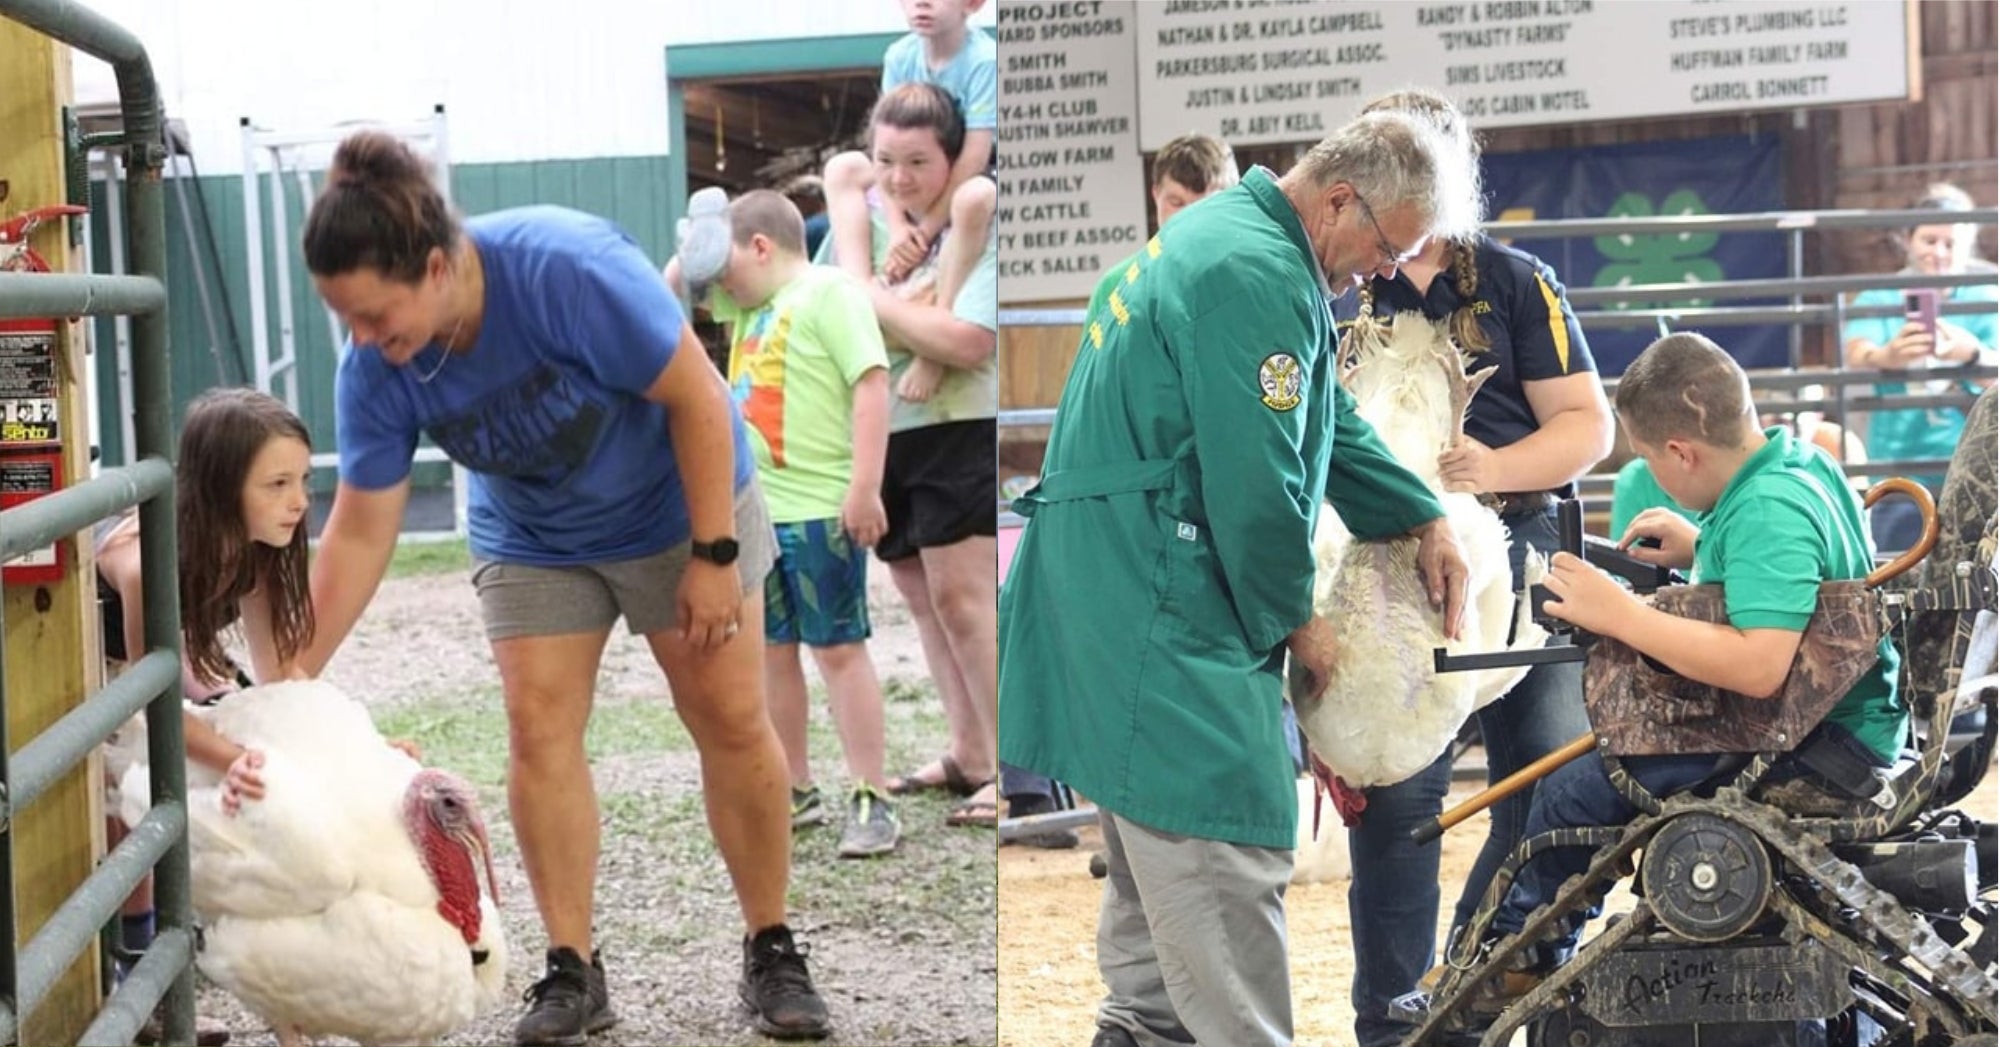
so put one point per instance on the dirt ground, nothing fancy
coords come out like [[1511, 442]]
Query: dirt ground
[[1049, 987], [902, 948]]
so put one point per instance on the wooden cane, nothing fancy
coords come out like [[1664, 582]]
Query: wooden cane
[[1583, 743], [1504, 788]]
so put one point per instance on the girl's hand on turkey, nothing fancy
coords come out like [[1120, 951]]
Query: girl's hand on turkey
[[1443, 566], [242, 782], [1585, 596], [407, 748], [1467, 466], [1660, 537]]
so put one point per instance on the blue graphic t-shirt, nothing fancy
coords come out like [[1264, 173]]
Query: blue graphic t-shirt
[[570, 463]]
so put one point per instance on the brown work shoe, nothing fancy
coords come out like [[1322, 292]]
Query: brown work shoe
[[1498, 992]]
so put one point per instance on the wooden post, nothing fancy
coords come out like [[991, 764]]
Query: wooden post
[[53, 658]]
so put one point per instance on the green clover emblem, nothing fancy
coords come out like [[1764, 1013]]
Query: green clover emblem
[[1658, 258]]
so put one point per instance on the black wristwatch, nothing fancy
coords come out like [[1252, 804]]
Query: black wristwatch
[[721, 552]]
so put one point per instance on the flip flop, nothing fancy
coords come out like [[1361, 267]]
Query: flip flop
[[954, 782], [983, 814]]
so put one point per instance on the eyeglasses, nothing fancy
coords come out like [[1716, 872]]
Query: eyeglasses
[[1391, 257]]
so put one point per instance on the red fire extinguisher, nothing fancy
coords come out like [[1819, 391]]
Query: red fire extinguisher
[[31, 458]]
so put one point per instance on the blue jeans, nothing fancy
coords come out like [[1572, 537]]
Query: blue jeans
[[1392, 901], [1294, 741], [1580, 794], [1026, 789]]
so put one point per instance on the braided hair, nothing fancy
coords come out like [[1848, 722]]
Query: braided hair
[[1463, 260], [1463, 265]]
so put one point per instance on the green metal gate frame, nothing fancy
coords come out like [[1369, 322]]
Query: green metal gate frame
[[159, 843]]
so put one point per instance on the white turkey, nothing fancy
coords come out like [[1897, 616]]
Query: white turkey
[[346, 902], [1386, 712]]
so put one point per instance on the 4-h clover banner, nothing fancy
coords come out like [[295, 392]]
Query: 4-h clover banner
[[1731, 175]]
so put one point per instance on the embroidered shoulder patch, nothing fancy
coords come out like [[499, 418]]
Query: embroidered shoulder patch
[[1280, 378]]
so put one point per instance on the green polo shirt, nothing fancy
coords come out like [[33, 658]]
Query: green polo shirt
[[1786, 522]]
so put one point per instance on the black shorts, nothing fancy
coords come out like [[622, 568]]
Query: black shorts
[[938, 487]]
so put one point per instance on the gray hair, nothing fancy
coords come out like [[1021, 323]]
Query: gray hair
[[1394, 158]]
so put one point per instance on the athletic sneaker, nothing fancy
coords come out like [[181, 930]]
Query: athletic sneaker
[[872, 825], [568, 1004], [807, 807], [778, 990]]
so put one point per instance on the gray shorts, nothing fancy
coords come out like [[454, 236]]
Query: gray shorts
[[526, 600]]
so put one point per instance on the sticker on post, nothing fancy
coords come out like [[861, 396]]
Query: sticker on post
[[1280, 379]]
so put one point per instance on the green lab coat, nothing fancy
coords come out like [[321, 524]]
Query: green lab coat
[[1168, 552]]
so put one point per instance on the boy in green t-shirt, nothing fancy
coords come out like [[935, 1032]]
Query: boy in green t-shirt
[[1778, 520], [809, 372]]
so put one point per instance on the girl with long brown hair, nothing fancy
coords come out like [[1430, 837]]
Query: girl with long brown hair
[[241, 498], [240, 502]]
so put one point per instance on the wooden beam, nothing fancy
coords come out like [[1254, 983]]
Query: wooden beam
[[53, 659], [771, 117]]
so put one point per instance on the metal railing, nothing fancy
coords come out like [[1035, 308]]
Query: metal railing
[[1833, 398], [159, 843]]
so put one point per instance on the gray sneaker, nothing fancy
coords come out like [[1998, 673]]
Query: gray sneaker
[[807, 807], [872, 825]]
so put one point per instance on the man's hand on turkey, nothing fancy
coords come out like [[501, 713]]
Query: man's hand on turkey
[[1585, 596], [1660, 537], [1314, 649], [1444, 570], [1467, 467]]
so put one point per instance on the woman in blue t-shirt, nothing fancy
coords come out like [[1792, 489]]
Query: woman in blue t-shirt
[[610, 478], [1889, 344]]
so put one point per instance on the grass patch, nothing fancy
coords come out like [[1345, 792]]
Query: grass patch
[[469, 735], [420, 558]]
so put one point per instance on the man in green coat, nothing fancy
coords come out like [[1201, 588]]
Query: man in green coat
[[1167, 567]]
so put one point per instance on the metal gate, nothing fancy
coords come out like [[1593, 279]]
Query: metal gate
[[158, 844]]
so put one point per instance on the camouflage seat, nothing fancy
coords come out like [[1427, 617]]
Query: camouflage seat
[[1639, 708]]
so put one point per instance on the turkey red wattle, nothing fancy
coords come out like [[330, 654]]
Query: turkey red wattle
[[444, 823]]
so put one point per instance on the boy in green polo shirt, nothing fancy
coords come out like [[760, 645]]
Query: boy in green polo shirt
[[1778, 520]]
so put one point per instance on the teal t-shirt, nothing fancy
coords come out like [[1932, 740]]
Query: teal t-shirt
[[1786, 522], [1634, 492], [1920, 432]]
